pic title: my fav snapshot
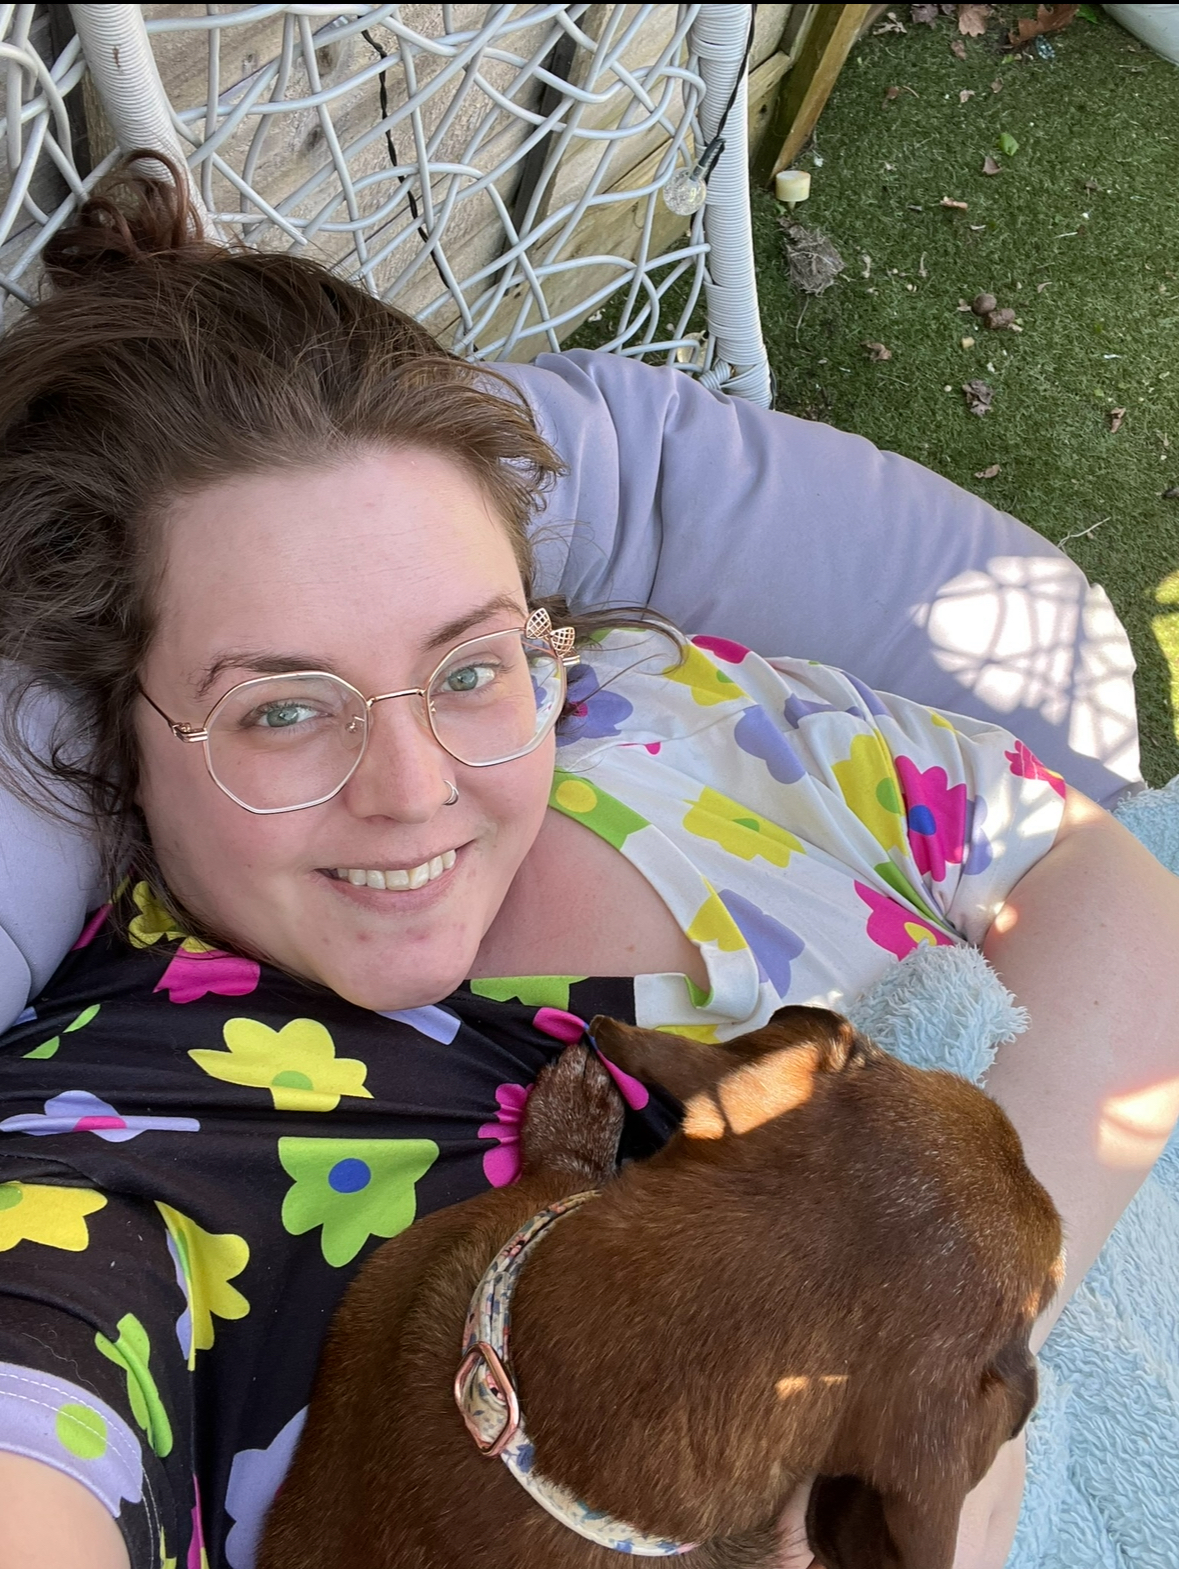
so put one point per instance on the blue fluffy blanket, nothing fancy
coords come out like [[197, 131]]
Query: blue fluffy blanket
[[1103, 1444]]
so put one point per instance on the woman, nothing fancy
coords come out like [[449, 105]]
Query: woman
[[273, 545]]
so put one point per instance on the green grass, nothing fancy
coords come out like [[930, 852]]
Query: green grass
[[1104, 333]]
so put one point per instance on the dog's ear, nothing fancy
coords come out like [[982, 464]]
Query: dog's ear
[[852, 1526], [687, 1067]]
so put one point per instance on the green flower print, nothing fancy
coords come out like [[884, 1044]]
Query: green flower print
[[353, 1188], [49, 1048], [132, 1352], [534, 991], [297, 1064]]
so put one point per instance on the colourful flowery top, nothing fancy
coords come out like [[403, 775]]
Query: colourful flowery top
[[197, 1153]]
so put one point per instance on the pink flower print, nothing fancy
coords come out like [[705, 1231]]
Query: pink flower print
[[92, 928], [196, 970], [935, 815], [560, 1025], [501, 1166], [897, 928], [732, 653], [1026, 765], [568, 1027], [198, 1558]]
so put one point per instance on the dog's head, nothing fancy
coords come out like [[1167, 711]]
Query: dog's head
[[930, 1250]]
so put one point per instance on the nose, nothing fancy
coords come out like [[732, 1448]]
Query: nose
[[404, 774]]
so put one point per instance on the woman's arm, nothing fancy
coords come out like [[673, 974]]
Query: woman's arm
[[49, 1521], [1088, 941]]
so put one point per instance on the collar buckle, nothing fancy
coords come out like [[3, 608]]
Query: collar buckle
[[499, 1386]]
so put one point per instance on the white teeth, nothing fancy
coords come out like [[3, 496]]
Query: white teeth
[[415, 877]]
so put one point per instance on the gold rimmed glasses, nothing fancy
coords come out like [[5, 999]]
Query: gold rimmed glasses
[[286, 742]]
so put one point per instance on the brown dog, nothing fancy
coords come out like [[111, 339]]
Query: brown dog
[[833, 1267]]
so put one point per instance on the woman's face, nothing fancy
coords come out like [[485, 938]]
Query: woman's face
[[372, 570]]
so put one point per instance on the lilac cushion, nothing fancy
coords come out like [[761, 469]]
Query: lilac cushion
[[785, 535]]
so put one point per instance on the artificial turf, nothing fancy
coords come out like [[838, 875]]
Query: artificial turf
[[1089, 207]]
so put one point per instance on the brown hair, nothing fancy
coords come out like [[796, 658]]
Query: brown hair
[[160, 364]]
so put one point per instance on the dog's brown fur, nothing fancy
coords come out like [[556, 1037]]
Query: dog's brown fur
[[834, 1267]]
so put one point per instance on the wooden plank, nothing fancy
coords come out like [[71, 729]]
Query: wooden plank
[[833, 32]]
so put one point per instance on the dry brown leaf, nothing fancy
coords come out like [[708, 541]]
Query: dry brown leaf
[[964, 305], [1040, 287], [990, 166], [978, 396], [889, 95], [997, 85], [1048, 19], [967, 92], [877, 351], [891, 25], [988, 473], [948, 201], [958, 47], [972, 20], [923, 13], [998, 320], [1116, 416], [1172, 494]]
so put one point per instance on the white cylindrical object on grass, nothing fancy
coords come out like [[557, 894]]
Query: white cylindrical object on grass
[[792, 185]]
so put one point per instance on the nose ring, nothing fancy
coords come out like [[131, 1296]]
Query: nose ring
[[453, 796]]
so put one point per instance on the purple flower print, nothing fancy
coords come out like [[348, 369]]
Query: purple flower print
[[732, 653], [198, 970], [254, 1479], [1026, 765], [981, 855], [77, 1111], [756, 733], [595, 711], [796, 709], [935, 815], [774, 946], [896, 927], [501, 1166]]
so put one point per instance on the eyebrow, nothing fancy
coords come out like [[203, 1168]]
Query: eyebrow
[[269, 664]]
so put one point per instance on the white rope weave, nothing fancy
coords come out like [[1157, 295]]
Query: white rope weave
[[510, 139]]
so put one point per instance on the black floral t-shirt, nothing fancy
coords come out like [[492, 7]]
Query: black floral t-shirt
[[197, 1153]]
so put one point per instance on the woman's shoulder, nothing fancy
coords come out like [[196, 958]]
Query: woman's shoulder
[[637, 687]]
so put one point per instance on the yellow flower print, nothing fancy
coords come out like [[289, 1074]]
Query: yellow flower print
[[869, 785], [153, 921], [206, 1262], [39, 1212], [706, 683], [713, 923], [692, 1032], [740, 831], [297, 1064]]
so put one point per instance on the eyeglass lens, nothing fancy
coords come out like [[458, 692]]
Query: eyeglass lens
[[281, 742]]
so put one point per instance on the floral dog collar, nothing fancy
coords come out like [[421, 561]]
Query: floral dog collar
[[486, 1396]]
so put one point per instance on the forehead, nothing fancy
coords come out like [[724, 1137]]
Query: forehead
[[368, 555]]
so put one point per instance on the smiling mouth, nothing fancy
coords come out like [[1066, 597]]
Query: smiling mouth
[[397, 879]]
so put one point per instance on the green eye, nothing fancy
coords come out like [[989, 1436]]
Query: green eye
[[281, 716], [468, 678]]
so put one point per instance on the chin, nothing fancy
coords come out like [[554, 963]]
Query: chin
[[382, 995]]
